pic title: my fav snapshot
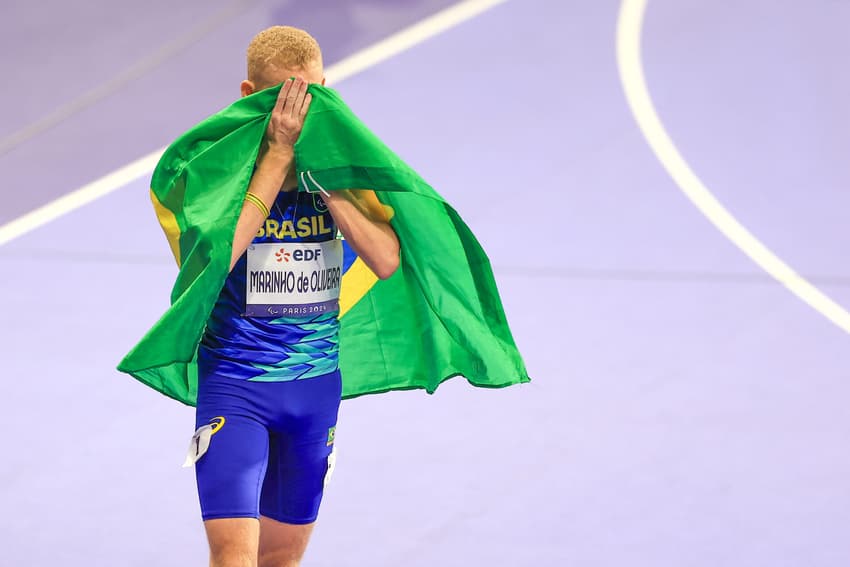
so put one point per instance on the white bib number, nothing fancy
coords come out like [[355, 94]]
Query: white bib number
[[293, 279]]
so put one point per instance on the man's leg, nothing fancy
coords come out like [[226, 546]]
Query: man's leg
[[231, 472], [299, 461], [282, 545], [233, 542]]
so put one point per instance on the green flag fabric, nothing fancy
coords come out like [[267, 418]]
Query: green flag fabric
[[437, 317]]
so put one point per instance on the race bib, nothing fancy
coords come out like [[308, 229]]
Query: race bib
[[293, 279]]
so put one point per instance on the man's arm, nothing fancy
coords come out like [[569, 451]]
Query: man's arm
[[277, 157], [366, 228]]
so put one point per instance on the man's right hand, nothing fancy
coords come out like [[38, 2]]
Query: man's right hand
[[274, 162], [288, 115]]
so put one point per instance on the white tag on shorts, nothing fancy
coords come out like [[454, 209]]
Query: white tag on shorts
[[293, 279], [331, 466], [198, 445]]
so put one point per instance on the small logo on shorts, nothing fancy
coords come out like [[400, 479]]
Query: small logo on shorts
[[216, 423], [331, 435]]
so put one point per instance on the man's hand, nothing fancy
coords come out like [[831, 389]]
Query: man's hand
[[288, 115], [275, 161]]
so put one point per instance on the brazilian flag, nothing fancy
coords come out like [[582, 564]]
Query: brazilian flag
[[437, 317]]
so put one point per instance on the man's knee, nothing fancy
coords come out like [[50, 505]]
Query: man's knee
[[281, 544], [279, 559], [232, 557], [233, 542]]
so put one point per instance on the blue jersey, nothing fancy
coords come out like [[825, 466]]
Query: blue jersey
[[278, 347]]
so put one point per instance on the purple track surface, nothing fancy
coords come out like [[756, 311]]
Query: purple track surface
[[686, 409]]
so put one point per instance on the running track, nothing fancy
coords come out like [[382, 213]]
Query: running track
[[686, 409]]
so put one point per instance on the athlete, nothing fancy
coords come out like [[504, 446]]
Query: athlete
[[269, 383]]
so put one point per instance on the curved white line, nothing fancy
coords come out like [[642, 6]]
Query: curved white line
[[629, 26], [365, 59]]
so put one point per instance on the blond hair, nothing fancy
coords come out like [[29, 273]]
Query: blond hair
[[281, 46]]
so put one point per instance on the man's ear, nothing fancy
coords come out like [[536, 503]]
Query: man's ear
[[247, 87]]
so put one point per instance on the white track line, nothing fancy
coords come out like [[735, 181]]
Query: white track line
[[629, 29], [126, 76], [348, 67]]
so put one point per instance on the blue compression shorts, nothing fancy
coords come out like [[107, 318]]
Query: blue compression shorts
[[272, 446]]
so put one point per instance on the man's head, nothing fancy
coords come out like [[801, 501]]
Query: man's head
[[278, 53]]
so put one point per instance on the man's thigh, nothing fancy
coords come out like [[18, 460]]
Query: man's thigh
[[231, 472], [301, 452]]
